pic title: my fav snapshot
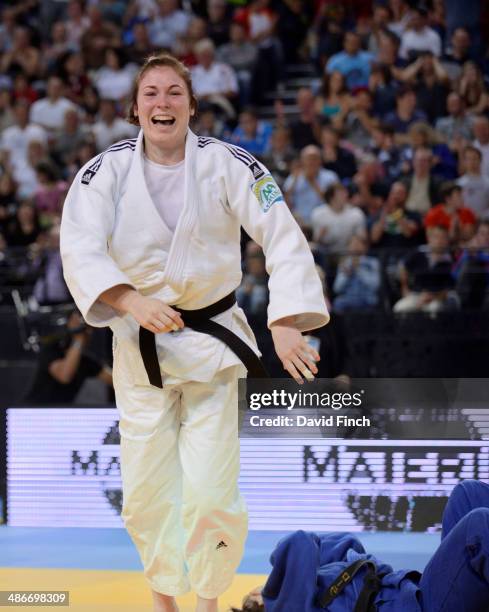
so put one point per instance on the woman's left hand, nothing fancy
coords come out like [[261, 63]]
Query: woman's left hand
[[297, 357]]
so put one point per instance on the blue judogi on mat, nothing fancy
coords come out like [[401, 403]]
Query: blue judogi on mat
[[456, 579]]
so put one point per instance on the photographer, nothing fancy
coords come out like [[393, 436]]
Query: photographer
[[63, 366]]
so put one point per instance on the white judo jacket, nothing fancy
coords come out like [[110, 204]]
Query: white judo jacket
[[112, 233]]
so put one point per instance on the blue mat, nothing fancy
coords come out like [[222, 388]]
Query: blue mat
[[112, 549]]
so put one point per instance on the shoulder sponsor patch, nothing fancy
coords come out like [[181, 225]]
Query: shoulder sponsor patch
[[87, 176], [267, 192], [256, 170]]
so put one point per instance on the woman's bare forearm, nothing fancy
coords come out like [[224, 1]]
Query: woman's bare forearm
[[120, 297]]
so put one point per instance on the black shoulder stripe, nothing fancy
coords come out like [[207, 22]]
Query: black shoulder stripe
[[237, 152], [92, 170]]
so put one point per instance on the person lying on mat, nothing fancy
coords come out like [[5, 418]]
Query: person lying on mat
[[332, 572]]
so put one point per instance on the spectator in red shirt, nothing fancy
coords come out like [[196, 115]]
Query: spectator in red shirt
[[459, 220]]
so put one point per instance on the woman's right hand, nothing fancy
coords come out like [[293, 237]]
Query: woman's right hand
[[153, 314]]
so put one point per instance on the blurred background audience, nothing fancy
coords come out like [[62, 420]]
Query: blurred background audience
[[372, 116]]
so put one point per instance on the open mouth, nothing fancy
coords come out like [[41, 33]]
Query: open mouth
[[162, 120]]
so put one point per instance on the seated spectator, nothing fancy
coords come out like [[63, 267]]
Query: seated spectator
[[168, 25], [405, 114], [481, 140], [74, 77], [381, 17], [333, 95], [472, 89], [49, 112], [58, 46], [452, 214], [50, 193], [426, 279], [207, 123], [260, 21], [15, 140], [185, 46], [24, 229], [90, 104], [383, 90], [252, 294], [97, 37], [357, 281], [280, 154], [335, 223], [330, 23], [114, 80], [27, 181], [251, 133], [141, 46], [305, 130], [76, 23], [457, 54], [306, 186], [419, 37], [431, 81], [8, 199], [356, 120], [353, 63], [422, 135], [335, 157], [475, 186], [22, 56], [472, 270], [369, 187], [213, 81], [388, 55], [110, 128], [70, 138], [294, 20], [457, 124], [50, 287], [64, 365], [423, 188], [394, 227], [387, 153], [7, 116], [23, 90], [218, 21], [241, 54], [401, 16]]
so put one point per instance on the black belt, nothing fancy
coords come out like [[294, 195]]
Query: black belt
[[372, 584], [200, 320]]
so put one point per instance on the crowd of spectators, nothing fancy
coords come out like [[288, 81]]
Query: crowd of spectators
[[382, 156]]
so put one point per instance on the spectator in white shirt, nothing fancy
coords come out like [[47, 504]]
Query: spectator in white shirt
[[114, 80], [334, 224], [475, 186], [16, 138], [419, 37], [77, 23], [110, 128], [213, 81], [170, 23], [306, 186], [50, 112]]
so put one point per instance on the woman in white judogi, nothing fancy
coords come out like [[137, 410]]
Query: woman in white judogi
[[156, 221]]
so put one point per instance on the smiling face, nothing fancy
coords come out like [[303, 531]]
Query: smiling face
[[163, 107]]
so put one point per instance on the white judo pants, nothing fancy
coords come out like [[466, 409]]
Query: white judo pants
[[180, 468]]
